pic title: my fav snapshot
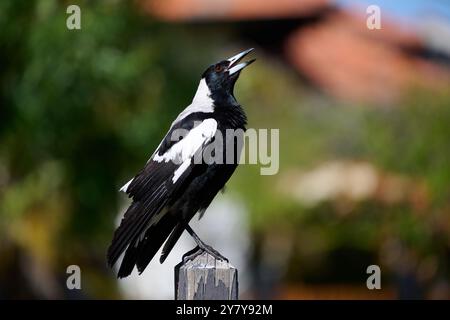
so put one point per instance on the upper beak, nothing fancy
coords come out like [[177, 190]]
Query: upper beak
[[234, 66]]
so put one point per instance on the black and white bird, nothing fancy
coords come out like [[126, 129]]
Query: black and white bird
[[172, 187]]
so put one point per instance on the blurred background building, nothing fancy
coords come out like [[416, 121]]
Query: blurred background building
[[364, 142]]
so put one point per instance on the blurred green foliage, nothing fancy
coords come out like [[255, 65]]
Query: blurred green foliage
[[80, 111]]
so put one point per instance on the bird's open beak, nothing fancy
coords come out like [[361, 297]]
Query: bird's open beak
[[235, 66]]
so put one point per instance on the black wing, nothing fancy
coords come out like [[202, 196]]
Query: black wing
[[146, 224]]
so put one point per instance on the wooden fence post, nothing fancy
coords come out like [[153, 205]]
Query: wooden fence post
[[205, 278]]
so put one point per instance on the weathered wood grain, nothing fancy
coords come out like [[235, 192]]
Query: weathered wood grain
[[205, 278]]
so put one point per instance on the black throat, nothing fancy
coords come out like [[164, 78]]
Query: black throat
[[229, 113]]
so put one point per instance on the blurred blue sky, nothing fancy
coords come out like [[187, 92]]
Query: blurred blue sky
[[407, 10]]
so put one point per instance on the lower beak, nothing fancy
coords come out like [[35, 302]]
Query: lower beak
[[235, 66]]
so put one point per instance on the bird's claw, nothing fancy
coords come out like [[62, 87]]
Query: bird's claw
[[214, 253], [191, 255], [199, 249]]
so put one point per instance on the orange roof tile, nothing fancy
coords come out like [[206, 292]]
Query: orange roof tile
[[231, 9], [349, 61]]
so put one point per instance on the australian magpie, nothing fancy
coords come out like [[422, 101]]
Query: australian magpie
[[172, 187]]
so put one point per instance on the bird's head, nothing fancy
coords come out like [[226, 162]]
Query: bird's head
[[221, 76]]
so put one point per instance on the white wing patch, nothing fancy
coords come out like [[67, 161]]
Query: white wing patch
[[180, 170], [125, 186], [183, 151]]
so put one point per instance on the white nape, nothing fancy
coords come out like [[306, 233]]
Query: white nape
[[237, 68], [202, 102]]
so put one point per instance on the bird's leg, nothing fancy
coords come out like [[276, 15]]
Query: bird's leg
[[191, 255], [201, 247]]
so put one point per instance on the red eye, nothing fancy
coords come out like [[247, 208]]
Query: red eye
[[218, 68]]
